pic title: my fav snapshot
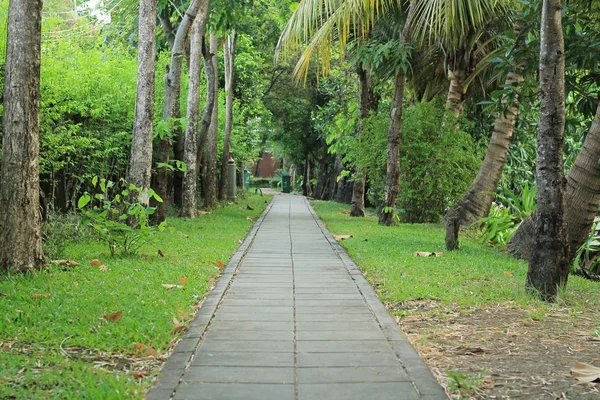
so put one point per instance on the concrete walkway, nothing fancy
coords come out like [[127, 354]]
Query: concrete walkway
[[292, 318]]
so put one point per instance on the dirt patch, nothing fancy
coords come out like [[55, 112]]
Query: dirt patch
[[504, 352]]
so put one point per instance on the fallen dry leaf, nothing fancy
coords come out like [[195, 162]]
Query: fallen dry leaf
[[427, 254], [95, 262], [585, 372], [203, 212], [170, 286], [220, 264], [144, 350], [2, 294], [345, 212], [114, 317], [177, 329], [160, 253], [36, 296], [185, 236], [342, 237], [103, 268], [508, 273], [250, 219], [139, 374], [183, 279], [67, 263]]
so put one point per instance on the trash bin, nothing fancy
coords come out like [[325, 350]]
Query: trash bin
[[285, 183], [246, 178]]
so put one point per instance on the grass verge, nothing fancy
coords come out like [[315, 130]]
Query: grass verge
[[475, 276], [102, 332]]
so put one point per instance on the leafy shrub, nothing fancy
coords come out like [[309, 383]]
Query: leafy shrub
[[260, 182], [121, 222], [498, 226], [521, 206], [587, 258], [438, 162]]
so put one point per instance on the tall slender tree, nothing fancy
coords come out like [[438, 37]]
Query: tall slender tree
[[20, 225], [172, 92], [229, 63], [140, 167], [209, 178], [367, 103], [549, 264], [190, 157]]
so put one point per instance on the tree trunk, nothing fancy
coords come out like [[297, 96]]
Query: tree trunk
[[475, 203], [210, 102], [178, 153], [210, 177], [392, 182], [140, 167], [456, 92], [20, 227], [305, 178], [357, 208], [549, 264], [367, 103], [229, 61], [172, 91], [582, 198], [190, 157]]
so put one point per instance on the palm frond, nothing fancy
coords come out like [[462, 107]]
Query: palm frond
[[317, 24], [448, 22]]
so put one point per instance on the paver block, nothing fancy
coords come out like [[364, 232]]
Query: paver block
[[347, 359], [343, 346], [243, 359], [332, 317], [338, 326], [351, 374], [252, 325], [249, 335], [231, 316], [254, 302], [234, 391], [346, 335], [330, 303], [186, 345], [159, 394], [357, 391], [240, 375], [254, 346]]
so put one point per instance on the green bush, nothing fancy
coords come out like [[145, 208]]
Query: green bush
[[122, 223], [438, 162], [260, 182]]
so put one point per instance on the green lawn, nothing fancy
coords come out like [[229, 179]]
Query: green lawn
[[475, 276], [54, 341]]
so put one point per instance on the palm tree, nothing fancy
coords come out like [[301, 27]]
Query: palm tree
[[462, 31], [549, 264], [475, 203]]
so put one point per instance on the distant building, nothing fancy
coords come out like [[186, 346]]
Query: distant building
[[266, 166]]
